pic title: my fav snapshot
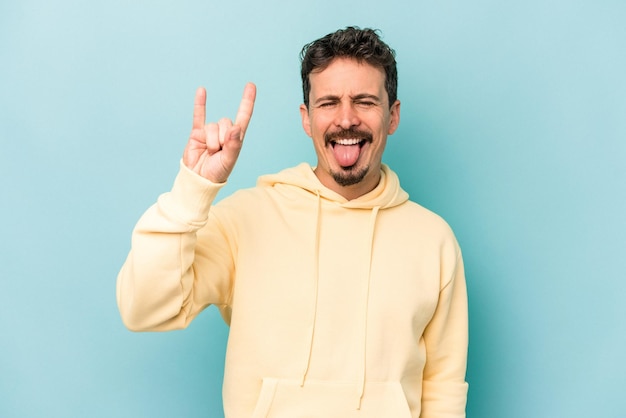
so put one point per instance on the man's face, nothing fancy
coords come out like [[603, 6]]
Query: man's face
[[349, 119]]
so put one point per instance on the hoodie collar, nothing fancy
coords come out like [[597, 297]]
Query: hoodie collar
[[386, 194]]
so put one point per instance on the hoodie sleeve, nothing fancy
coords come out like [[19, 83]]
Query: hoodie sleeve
[[444, 392], [169, 276]]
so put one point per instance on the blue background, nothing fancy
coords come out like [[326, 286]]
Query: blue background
[[513, 128]]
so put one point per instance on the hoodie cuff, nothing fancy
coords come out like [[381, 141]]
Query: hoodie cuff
[[190, 198]]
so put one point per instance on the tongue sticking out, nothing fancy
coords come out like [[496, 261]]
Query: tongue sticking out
[[346, 155]]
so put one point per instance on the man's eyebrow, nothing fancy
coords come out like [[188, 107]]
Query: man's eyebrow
[[334, 98], [328, 98], [367, 96]]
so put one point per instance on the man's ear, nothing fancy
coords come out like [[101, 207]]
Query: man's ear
[[394, 117], [306, 121]]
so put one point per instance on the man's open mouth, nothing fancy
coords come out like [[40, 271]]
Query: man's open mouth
[[347, 146]]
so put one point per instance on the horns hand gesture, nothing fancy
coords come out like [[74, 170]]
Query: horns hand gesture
[[213, 148]]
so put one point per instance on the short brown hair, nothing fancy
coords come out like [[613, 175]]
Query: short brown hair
[[351, 42]]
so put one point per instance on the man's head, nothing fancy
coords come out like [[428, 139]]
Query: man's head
[[362, 45], [349, 78]]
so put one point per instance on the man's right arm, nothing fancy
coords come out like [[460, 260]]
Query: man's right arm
[[169, 276]]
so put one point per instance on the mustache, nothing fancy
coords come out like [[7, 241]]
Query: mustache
[[347, 133]]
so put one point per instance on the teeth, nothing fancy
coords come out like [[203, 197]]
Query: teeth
[[348, 141]]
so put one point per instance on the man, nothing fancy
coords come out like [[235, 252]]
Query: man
[[344, 298]]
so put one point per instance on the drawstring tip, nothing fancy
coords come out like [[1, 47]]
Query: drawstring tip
[[359, 399]]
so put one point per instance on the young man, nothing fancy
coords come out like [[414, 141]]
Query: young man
[[344, 298]]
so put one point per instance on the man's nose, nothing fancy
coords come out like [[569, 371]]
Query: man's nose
[[347, 116]]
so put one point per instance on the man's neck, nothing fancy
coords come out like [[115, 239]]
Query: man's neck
[[353, 191]]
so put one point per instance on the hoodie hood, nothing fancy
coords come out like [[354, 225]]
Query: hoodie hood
[[386, 194]]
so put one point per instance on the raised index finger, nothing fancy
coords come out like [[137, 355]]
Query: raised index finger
[[199, 109], [246, 107]]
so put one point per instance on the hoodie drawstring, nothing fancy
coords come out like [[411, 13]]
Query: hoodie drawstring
[[316, 251], [366, 293], [364, 297]]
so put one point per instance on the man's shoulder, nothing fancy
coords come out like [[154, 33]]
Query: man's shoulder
[[247, 195], [417, 209], [415, 215]]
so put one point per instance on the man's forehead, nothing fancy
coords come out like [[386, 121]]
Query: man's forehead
[[347, 76], [352, 64]]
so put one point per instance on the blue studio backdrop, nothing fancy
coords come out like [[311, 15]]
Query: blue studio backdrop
[[513, 129]]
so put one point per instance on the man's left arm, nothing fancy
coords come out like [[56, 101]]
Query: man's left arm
[[444, 392]]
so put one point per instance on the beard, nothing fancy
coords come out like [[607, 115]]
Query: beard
[[350, 176]]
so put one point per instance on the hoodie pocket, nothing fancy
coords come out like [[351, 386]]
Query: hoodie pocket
[[287, 399]]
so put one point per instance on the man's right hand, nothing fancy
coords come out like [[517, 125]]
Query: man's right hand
[[213, 148]]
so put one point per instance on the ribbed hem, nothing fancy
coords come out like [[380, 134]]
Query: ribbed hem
[[190, 198]]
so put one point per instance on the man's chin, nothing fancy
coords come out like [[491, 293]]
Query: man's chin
[[349, 176]]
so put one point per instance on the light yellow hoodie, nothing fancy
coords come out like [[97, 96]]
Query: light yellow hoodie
[[336, 308]]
